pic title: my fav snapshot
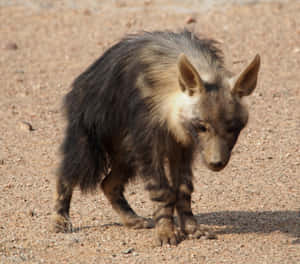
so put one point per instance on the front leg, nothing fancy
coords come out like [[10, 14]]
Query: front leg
[[182, 176], [151, 154], [164, 198], [187, 222]]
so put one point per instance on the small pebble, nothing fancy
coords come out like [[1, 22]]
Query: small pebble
[[76, 240], [128, 251], [24, 125], [190, 20], [87, 12], [32, 213], [11, 46]]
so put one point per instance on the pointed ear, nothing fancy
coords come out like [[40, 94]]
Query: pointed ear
[[189, 78], [245, 83]]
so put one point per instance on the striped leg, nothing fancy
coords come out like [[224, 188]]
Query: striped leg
[[164, 199], [181, 174], [113, 188], [187, 221], [63, 197]]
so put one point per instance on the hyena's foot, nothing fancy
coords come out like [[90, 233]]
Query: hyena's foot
[[138, 222], [62, 224], [166, 233], [193, 230]]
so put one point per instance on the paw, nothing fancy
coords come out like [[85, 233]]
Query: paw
[[202, 233], [166, 234], [194, 231], [62, 224], [139, 222]]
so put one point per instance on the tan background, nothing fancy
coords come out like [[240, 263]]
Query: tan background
[[253, 204]]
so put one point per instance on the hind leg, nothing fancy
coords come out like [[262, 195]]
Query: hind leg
[[113, 188], [63, 197]]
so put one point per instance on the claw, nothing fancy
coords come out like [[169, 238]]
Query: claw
[[171, 239], [167, 235], [62, 224]]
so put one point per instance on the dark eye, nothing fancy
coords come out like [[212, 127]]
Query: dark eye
[[201, 128]]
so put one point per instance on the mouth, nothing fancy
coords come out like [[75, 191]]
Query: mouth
[[217, 167]]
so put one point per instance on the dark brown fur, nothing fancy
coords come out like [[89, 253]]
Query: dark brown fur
[[149, 102]]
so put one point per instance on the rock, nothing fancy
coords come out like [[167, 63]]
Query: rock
[[11, 46], [87, 12], [128, 251], [190, 20], [24, 125], [32, 213]]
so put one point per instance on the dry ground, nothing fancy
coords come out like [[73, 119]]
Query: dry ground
[[253, 204]]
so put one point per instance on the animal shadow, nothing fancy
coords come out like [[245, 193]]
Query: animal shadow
[[239, 222]]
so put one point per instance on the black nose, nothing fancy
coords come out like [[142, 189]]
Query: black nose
[[217, 165]]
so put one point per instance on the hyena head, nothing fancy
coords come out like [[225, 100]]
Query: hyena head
[[213, 114]]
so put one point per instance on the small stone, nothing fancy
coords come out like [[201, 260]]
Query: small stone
[[76, 240], [24, 125], [128, 251], [32, 213], [9, 186], [190, 20], [87, 12], [11, 46]]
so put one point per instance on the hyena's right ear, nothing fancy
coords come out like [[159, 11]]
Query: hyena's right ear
[[189, 78]]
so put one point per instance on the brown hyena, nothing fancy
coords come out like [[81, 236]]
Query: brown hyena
[[144, 108]]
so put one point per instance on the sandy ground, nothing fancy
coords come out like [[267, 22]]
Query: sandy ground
[[253, 204]]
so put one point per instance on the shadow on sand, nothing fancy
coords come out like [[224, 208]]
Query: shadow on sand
[[239, 222]]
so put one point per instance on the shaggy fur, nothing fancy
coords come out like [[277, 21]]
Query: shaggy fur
[[150, 100]]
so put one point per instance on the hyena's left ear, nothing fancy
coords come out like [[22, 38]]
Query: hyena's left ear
[[189, 78], [245, 83]]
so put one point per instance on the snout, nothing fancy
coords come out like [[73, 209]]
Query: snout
[[216, 153], [216, 165], [216, 159]]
